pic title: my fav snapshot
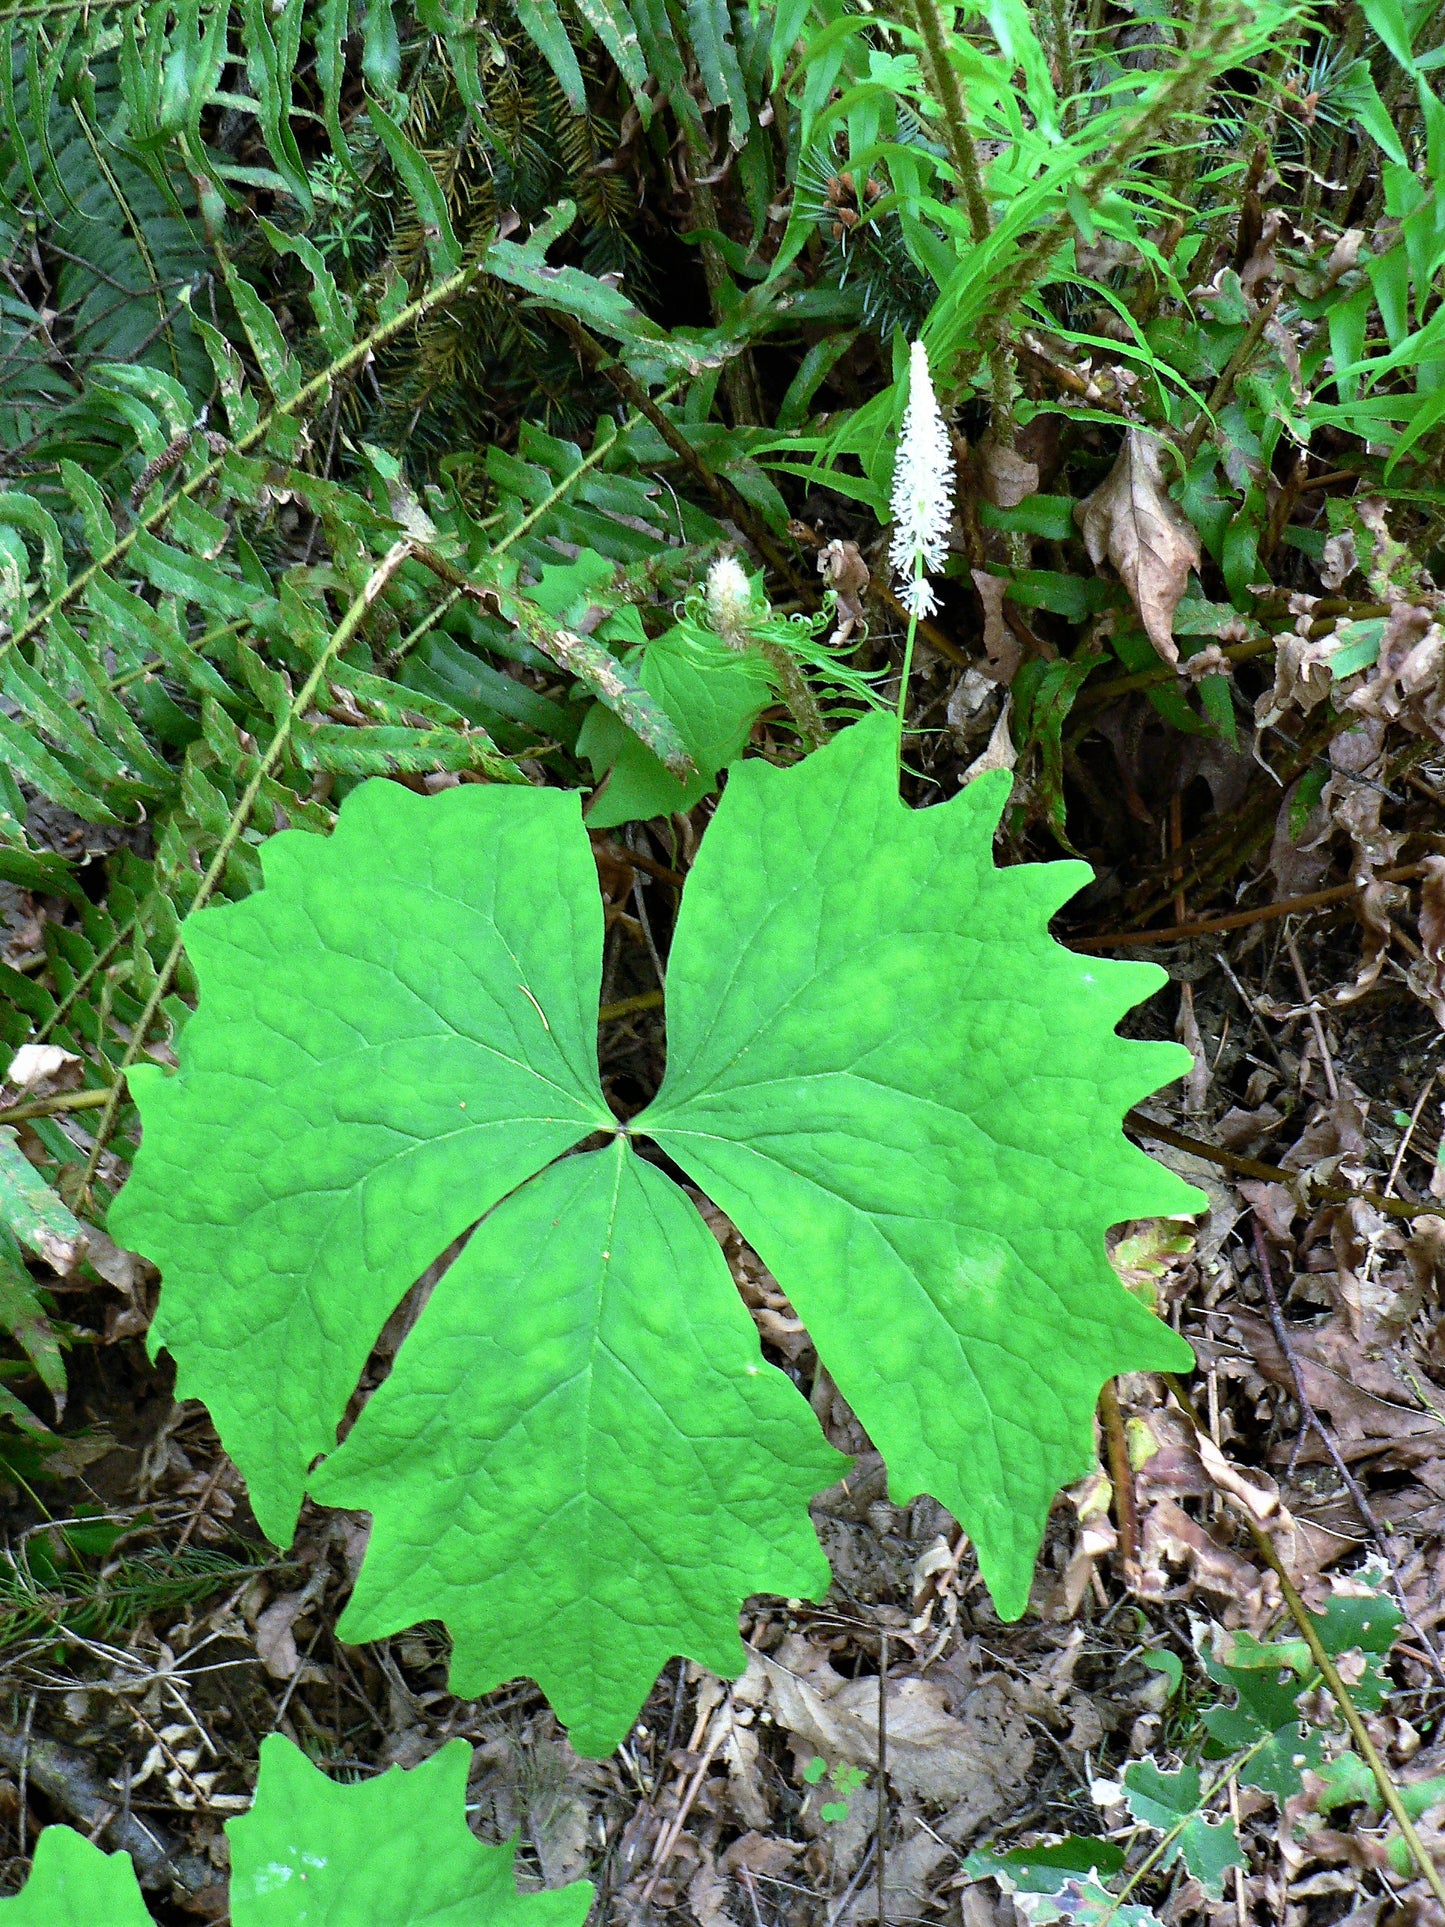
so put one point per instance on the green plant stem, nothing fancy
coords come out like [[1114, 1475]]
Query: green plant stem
[[648, 1000], [905, 672], [300, 403], [1175, 97], [793, 688], [957, 137], [1329, 1672], [53, 1106], [347, 627], [933, 31], [1064, 60], [1233, 369]]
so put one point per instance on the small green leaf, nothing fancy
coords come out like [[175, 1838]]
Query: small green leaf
[[1164, 1800], [814, 1771], [75, 1884], [713, 695], [833, 1811], [394, 1851], [36, 1216], [1167, 1663]]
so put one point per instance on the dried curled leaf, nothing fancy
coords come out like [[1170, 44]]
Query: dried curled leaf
[[1130, 519]]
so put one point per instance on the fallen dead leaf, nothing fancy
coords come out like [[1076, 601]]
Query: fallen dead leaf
[[32, 1063], [1130, 519], [1001, 645], [972, 1764], [1007, 478]]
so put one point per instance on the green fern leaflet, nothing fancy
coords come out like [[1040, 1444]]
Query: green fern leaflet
[[903, 1092]]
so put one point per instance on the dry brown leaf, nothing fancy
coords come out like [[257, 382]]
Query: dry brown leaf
[[1001, 645], [842, 567], [762, 1853], [275, 1633], [1130, 519], [1338, 559], [1369, 1407], [1171, 1535], [1426, 974], [1000, 753], [974, 1764], [1007, 477]]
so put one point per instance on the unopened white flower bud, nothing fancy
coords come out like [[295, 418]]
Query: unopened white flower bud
[[922, 491], [730, 601]]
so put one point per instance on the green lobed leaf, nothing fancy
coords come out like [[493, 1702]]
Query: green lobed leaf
[[583, 1417], [904, 1092], [712, 694], [395, 1033], [394, 1851], [74, 1884], [1170, 1801], [907, 1098]]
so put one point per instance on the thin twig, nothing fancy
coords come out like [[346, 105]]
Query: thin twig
[[1399, 1158], [1242, 919], [882, 1788], [1121, 1475], [1272, 1173], [668, 1839], [647, 1000], [836, 1914], [1327, 1062]]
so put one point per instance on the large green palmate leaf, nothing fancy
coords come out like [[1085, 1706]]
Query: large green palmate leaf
[[394, 1851], [907, 1097], [903, 1091]]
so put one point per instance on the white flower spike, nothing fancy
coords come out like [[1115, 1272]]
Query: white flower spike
[[922, 491]]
